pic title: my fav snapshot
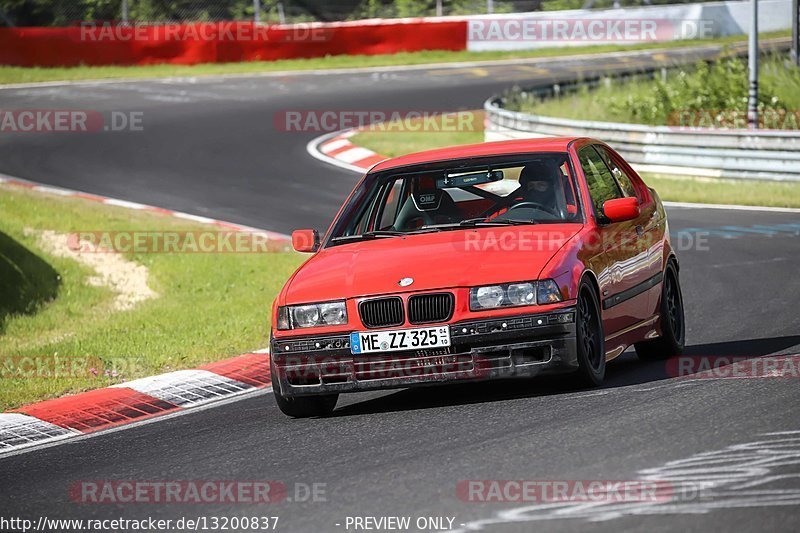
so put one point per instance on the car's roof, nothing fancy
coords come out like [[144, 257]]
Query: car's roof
[[516, 146]]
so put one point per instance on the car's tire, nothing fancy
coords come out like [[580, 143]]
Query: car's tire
[[590, 337], [303, 406], [673, 325]]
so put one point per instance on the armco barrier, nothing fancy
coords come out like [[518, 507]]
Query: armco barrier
[[222, 42], [739, 154]]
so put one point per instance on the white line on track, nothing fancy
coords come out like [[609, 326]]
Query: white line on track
[[731, 207], [63, 191]]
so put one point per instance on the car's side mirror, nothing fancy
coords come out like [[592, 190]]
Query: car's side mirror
[[621, 209], [305, 240]]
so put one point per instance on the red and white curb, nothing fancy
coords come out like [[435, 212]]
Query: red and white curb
[[136, 401], [142, 399], [32, 185], [336, 149]]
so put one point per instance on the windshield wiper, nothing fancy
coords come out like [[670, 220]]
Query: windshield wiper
[[473, 222], [478, 222], [368, 235]]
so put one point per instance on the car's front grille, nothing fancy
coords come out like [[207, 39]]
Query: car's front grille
[[382, 312], [428, 308]]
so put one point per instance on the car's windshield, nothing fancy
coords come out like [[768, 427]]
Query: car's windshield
[[539, 189]]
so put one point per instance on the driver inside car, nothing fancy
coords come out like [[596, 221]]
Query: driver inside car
[[540, 187]]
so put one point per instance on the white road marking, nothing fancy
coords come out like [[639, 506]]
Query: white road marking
[[748, 263], [124, 203], [739, 476], [52, 190], [4, 178], [732, 207]]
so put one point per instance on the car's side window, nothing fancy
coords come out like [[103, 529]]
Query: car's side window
[[622, 178], [602, 185]]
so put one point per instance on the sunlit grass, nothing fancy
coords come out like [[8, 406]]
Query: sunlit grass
[[210, 305]]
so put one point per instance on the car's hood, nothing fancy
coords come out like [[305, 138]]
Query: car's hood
[[434, 260]]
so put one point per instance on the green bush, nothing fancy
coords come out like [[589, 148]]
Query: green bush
[[720, 86], [707, 94]]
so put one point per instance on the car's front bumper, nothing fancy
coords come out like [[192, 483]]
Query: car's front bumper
[[513, 346]]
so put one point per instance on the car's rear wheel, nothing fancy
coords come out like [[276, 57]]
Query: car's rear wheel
[[673, 326], [303, 406], [590, 336]]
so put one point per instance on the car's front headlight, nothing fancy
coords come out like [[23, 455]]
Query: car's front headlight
[[312, 315], [514, 294]]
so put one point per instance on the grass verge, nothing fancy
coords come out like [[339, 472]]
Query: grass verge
[[10, 74], [393, 142], [210, 305], [725, 191]]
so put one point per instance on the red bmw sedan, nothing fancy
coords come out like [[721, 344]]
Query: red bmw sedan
[[496, 260]]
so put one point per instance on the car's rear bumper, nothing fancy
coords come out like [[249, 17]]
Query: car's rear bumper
[[513, 346]]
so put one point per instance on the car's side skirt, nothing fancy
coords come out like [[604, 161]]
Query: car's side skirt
[[627, 294]]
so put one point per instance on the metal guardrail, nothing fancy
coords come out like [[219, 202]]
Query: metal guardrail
[[736, 154]]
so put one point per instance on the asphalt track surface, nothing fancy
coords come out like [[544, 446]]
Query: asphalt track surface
[[210, 148]]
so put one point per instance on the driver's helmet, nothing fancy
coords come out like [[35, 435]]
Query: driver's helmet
[[538, 181]]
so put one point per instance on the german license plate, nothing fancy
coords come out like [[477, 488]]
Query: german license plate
[[398, 340]]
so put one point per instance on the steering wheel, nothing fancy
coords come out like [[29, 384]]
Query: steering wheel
[[535, 205]]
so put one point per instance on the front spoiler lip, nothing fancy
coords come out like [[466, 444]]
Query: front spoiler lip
[[481, 351]]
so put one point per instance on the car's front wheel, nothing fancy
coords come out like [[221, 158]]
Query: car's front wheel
[[591, 339], [673, 328]]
